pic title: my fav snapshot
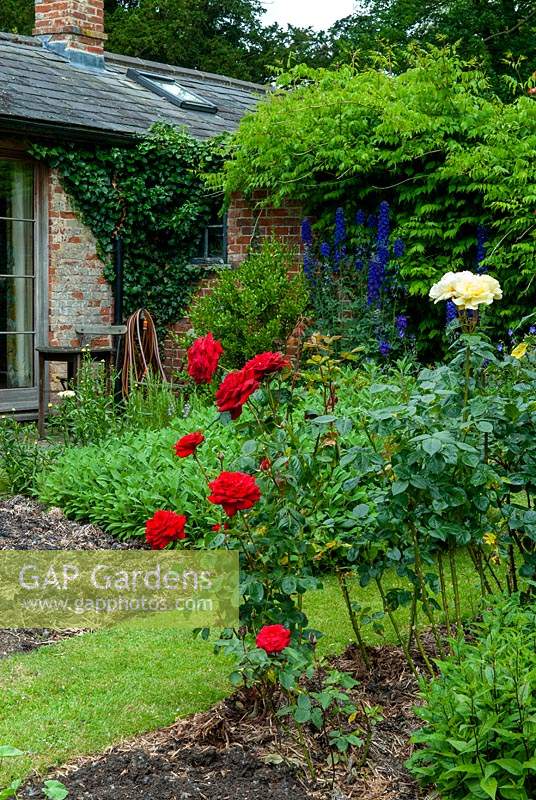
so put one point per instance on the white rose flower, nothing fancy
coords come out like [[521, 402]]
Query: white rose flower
[[445, 289], [467, 290]]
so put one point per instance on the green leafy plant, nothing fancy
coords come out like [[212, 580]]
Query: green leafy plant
[[119, 483], [54, 790], [89, 411], [254, 307], [479, 737], [22, 458]]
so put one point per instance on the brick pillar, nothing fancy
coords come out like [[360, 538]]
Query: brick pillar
[[73, 27]]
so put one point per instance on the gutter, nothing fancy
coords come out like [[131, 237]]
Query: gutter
[[59, 131]]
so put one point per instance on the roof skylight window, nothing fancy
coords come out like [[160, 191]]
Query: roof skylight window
[[168, 87]]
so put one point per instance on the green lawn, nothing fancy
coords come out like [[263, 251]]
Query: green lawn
[[88, 692]]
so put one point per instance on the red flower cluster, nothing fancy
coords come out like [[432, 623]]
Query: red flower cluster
[[267, 363], [234, 491], [188, 444], [273, 638], [164, 527], [235, 390], [203, 357]]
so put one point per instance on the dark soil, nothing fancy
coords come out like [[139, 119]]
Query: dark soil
[[23, 640], [26, 525], [224, 754]]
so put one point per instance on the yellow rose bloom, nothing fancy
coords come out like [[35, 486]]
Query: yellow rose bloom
[[520, 350]]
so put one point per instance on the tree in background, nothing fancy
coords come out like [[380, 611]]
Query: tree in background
[[17, 16], [497, 33], [227, 36]]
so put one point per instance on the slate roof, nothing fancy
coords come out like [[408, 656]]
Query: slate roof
[[41, 90]]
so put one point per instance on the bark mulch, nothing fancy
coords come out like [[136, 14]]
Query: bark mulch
[[225, 754], [26, 525]]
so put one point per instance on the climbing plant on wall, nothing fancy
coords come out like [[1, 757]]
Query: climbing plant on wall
[[434, 141], [153, 195]]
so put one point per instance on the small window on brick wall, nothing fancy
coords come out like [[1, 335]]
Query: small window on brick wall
[[212, 247]]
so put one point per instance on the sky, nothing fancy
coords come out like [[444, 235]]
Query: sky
[[306, 13]]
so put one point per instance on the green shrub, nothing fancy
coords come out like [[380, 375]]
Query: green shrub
[[22, 458], [255, 307], [120, 483], [89, 411], [479, 740]]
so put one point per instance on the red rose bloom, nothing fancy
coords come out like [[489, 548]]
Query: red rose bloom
[[273, 638], [189, 444], [265, 464], [235, 390], [203, 357], [266, 364], [164, 527], [235, 491]]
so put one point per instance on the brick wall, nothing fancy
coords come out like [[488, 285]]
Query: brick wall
[[78, 292], [173, 355], [247, 224]]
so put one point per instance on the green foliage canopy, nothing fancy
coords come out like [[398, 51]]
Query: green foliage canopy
[[434, 141], [499, 34]]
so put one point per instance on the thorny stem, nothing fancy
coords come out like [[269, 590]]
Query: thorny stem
[[396, 629], [417, 634], [444, 594], [455, 587], [343, 583], [426, 604]]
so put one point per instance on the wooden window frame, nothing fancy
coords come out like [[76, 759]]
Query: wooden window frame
[[26, 399]]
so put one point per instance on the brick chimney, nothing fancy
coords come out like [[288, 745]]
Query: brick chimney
[[73, 28]]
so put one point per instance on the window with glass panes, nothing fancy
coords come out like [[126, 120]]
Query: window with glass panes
[[212, 247], [17, 274]]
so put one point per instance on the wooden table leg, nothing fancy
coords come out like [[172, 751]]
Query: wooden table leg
[[72, 369], [41, 413]]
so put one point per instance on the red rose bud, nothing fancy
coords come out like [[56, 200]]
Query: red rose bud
[[265, 464], [235, 390], [265, 364], [188, 444], [234, 491], [273, 638], [217, 527], [164, 527], [203, 358]]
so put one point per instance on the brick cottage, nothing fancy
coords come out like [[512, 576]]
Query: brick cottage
[[61, 86]]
